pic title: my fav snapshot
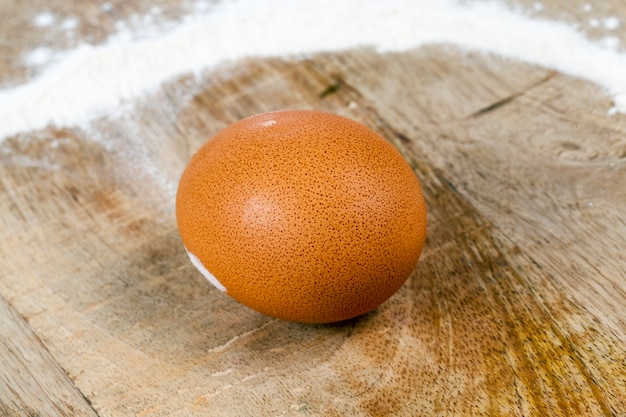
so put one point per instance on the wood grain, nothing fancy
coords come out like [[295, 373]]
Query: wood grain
[[31, 382], [515, 309]]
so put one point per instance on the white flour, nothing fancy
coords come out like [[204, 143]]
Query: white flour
[[612, 23], [44, 19], [90, 81]]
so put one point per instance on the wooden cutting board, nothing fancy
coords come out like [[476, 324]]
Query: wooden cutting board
[[517, 307]]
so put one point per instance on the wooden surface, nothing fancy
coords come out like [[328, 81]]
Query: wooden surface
[[517, 307]]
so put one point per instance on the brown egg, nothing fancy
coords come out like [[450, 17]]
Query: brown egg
[[302, 215]]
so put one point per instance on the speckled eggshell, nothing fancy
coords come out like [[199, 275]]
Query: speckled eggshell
[[302, 215]]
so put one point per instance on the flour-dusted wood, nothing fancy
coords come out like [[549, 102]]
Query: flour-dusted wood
[[516, 307]]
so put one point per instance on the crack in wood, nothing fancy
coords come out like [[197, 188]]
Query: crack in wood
[[331, 89], [506, 100]]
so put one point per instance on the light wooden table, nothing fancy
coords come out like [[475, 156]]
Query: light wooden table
[[517, 307]]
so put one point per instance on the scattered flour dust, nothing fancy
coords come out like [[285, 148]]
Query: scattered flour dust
[[44, 19], [91, 81]]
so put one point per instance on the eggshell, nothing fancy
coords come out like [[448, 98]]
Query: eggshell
[[302, 215]]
